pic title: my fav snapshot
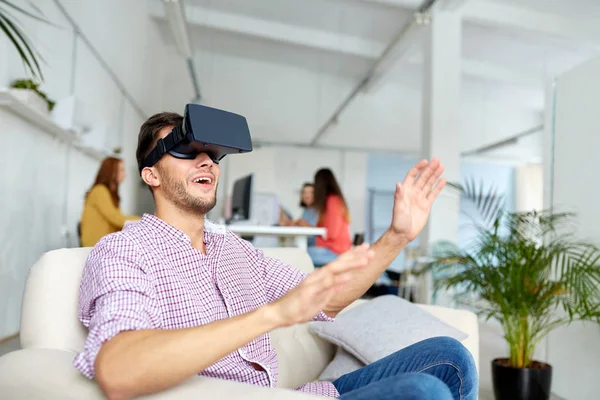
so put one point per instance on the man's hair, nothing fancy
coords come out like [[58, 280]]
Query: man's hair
[[148, 135]]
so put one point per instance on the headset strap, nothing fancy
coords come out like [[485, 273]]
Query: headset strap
[[163, 146]]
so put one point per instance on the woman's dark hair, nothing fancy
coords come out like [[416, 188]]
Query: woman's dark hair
[[326, 185], [307, 184]]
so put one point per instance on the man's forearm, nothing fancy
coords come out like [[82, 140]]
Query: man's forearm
[[141, 362], [386, 250]]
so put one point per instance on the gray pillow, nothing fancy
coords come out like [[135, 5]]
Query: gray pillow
[[342, 363], [393, 322]]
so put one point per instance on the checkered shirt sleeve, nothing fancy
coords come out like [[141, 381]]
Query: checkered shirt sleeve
[[115, 296]]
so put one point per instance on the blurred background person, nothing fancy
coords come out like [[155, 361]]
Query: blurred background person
[[333, 215], [101, 213], [309, 215], [307, 201]]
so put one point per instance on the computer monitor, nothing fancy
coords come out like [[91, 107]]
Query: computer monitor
[[241, 199]]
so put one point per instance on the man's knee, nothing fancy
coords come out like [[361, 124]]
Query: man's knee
[[454, 353], [453, 350], [425, 387]]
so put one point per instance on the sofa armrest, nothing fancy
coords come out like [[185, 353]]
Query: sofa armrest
[[44, 373], [49, 374], [464, 320]]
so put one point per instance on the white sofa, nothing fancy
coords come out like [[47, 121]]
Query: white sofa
[[51, 335]]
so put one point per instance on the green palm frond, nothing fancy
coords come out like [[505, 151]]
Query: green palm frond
[[489, 202], [24, 11], [529, 270], [18, 39]]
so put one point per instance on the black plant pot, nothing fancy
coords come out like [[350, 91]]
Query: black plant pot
[[521, 383]]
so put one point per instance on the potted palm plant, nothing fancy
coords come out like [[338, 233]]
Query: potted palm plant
[[530, 273]]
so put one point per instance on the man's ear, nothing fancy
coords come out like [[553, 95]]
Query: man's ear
[[151, 177]]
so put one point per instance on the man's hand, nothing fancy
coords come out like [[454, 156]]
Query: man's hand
[[414, 197], [306, 300]]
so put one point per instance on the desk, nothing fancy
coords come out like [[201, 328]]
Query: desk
[[300, 234]]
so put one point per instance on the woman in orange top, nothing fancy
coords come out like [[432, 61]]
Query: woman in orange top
[[334, 216], [101, 213]]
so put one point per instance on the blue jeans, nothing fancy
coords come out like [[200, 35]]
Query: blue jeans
[[321, 255], [439, 368]]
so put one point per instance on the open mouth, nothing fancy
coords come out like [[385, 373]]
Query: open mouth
[[204, 181]]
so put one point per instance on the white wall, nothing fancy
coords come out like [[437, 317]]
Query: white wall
[[529, 187], [282, 170], [43, 183], [574, 351], [492, 113]]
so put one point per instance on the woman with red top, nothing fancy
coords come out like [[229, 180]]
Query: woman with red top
[[334, 216]]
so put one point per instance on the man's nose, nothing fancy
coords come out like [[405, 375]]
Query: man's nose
[[204, 160]]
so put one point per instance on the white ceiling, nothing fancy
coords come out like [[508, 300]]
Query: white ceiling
[[510, 49], [577, 9]]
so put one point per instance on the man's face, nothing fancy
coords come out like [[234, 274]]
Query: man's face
[[190, 185]]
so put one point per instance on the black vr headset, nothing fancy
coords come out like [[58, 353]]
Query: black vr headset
[[204, 130]]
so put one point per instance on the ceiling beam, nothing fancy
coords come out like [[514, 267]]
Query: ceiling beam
[[497, 73], [413, 38], [394, 51], [501, 74], [277, 31], [412, 67], [406, 4], [338, 43], [498, 14], [361, 149], [504, 15], [448, 5]]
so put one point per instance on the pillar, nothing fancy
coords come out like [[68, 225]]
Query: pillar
[[441, 122]]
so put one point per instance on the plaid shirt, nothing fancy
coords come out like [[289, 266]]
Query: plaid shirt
[[148, 276]]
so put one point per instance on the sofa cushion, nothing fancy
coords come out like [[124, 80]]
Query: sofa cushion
[[342, 363], [301, 354], [293, 256], [378, 328]]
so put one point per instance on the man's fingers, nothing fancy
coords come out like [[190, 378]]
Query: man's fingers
[[414, 171], [320, 283], [340, 279], [399, 193], [336, 283], [435, 176], [355, 258], [427, 173], [436, 190], [353, 252]]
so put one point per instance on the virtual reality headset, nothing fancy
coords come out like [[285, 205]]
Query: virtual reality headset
[[204, 130]]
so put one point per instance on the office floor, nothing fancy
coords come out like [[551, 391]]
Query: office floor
[[490, 346]]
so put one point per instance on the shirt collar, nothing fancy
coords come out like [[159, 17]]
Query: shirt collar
[[155, 223]]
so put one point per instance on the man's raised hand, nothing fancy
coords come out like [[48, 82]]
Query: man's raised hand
[[414, 198]]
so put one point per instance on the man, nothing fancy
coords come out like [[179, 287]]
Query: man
[[174, 295]]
